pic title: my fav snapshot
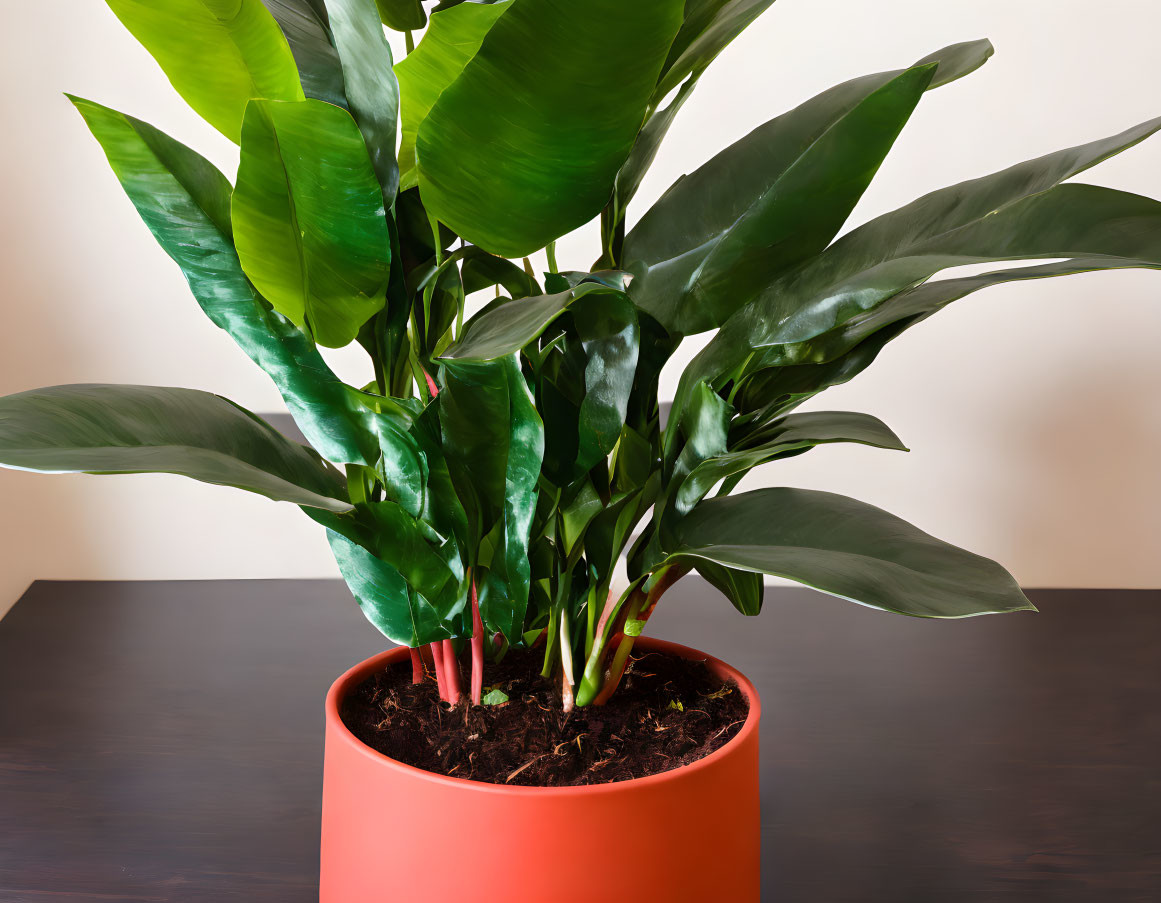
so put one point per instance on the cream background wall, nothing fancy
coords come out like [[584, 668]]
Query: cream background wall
[[1033, 411]]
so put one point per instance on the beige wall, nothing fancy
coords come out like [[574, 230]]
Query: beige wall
[[1032, 410]]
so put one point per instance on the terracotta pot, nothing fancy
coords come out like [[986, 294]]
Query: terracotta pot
[[391, 832]]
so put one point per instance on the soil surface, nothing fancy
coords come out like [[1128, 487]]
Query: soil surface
[[667, 712]]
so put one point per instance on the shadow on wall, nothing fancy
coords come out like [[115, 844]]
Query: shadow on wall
[[1085, 462]]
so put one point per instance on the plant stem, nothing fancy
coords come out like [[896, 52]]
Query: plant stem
[[550, 253], [664, 579], [566, 666], [451, 671], [477, 647], [436, 650], [409, 41], [417, 672]]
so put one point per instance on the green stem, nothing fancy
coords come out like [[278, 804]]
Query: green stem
[[409, 41], [550, 252]]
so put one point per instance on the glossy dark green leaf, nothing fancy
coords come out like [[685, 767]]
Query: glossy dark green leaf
[[645, 148], [744, 589], [784, 437], [218, 55], [402, 15], [151, 429], [493, 442], [771, 200], [483, 270], [308, 218], [848, 549], [606, 323], [708, 27], [506, 329], [1018, 213], [544, 166], [369, 84], [304, 24], [401, 612], [452, 39], [185, 202]]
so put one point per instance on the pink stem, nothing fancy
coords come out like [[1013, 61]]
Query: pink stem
[[437, 661], [417, 672], [477, 648], [451, 672]]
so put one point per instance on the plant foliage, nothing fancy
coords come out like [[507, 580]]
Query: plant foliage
[[507, 457]]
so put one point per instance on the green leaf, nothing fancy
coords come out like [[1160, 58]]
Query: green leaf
[[505, 329], [304, 23], [709, 26], [1019, 213], [402, 15], [645, 148], [494, 696], [782, 438], [150, 429], [308, 218], [848, 549], [370, 86], [744, 589], [771, 200], [606, 323], [217, 54], [540, 168], [493, 442], [402, 613], [185, 202], [452, 39]]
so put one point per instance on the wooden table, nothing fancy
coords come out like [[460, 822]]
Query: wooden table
[[163, 742]]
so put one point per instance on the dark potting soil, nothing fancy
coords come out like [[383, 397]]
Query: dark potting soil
[[667, 712]]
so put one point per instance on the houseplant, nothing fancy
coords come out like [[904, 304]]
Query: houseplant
[[481, 491]]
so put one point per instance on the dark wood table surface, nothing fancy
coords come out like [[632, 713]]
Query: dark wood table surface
[[162, 741]]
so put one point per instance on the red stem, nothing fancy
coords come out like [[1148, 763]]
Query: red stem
[[437, 662], [417, 672], [451, 672], [477, 648], [432, 388]]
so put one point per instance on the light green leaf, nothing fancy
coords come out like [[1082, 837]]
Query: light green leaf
[[542, 167], [452, 38], [185, 202], [308, 218], [848, 549], [494, 696], [217, 54], [151, 429]]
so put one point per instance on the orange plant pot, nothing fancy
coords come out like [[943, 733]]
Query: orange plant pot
[[391, 832]]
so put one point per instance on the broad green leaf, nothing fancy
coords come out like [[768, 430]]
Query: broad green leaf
[[304, 23], [505, 329], [493, 442], [308, 218], [151, 429], [217, 54], [1019, 213], [851, 348], [848, 549], [185, 202], [540, 168], [401, 612], [771, 200], [452, 38], [402, 15], [606, 323], [782, 438], [370, 86], [744, 589], [709, 26]]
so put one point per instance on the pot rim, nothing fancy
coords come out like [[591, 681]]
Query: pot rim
[[356, 674]]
